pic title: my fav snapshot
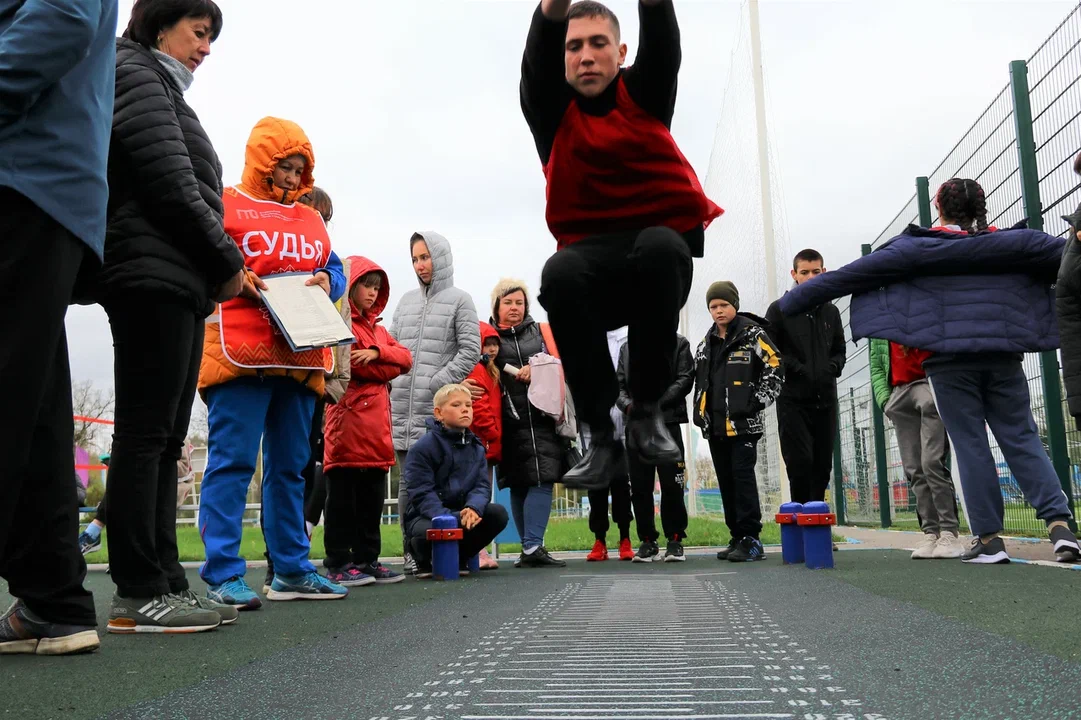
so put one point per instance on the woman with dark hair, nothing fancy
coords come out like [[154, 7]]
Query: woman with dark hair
[[975, 298], [167, 260]]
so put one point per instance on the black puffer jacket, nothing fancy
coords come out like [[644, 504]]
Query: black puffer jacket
[[532, 451], [1068, 307], [813, 347], [164, 233], [674, 401]]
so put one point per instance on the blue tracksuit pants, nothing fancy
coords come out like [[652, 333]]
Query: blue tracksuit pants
[[278, 411], [966, 398]]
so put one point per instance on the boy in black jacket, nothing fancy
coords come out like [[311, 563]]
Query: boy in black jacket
[[673, 405], [448, 475], [738, 373], [813, 346]]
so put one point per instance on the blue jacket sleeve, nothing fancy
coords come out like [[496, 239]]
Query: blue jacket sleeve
[[42, 43], [420, 467], [881, 267], [481, 494], [334, 269]]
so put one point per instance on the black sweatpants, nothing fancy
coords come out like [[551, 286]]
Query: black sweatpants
[[492, 522], [157, 349], [673, 509], [621, 508], [734, 460], [806, 433], [39, 521], [355, 498], [636, 279]]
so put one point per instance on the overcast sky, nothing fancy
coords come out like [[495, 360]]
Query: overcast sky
[[412, 108]]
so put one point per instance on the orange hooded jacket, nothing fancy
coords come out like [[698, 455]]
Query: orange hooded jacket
[[271, 140]]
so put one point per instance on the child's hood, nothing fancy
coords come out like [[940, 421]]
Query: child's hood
[[359, 266], [486, 332], [271, 141]]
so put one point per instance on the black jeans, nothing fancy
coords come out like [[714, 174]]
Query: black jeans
[[39, 522], [806, 433], [492, 522], [158, 346], [621, 509], [734, 460], [673, 509], [599, 284], [355, 498]]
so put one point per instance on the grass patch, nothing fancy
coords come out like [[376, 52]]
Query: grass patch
[[562, 535]]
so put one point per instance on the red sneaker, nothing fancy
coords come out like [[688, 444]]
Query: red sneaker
[[599, 552], [625, 550]]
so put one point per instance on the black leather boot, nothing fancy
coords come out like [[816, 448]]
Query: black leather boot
[[648, 438], [603, 462]]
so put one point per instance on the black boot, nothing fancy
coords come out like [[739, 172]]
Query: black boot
[[602, 463], [648, 438]]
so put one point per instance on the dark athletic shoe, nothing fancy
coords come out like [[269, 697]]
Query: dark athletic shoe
[[990, 553], [24, 633], [169, 614], [227, 613], [382, 574], [674, 552], [647, 552], [422, 570], [1065, 543], [723, 554], [749, 549], [539, 558]]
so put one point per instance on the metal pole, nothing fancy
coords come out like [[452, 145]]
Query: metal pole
[[838, 472], [923, 199], [763, 152], [1030, 196]]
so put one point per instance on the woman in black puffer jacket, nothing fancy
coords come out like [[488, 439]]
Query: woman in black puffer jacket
[[167, 261], [532, 451]]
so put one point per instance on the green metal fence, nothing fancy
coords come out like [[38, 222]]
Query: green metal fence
[[1020, 150]]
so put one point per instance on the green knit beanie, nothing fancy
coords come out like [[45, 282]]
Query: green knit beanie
[[723, 290]]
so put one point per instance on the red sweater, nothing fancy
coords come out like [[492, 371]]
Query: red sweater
[[906, 364], [488, 414]]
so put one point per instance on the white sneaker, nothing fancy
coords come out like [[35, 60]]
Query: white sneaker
[[948, 547], [925, 548]]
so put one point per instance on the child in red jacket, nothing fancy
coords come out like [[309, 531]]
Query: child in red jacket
[[358, 450], [488, 410]]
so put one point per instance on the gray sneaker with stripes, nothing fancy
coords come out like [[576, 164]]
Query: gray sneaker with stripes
[[161, 614]]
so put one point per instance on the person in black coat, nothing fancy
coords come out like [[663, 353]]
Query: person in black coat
[[532, 451], [167, 261], [812, 345], [673, 405]]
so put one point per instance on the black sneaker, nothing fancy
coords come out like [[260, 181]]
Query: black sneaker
[[422, 570], [992, 552], [647, 552], [410, 564], [382, 574], [723, 554], [674, 552], [24, 633], [1065, 542], [539, 558], [269, 580], [748, 549]]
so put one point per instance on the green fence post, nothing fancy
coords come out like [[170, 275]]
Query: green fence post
[[923, 200], [838, 472], [1030, 196], [881, 471]]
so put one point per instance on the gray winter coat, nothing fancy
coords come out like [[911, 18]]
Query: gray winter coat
[[439, 325]]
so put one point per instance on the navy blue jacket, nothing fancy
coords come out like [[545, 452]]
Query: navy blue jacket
[[447, 473], [57, 70], [949, 292]]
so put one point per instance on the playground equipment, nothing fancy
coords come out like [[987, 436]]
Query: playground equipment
[[817, 521]]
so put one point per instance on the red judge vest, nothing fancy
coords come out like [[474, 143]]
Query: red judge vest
[[274, 238], [620, 172]]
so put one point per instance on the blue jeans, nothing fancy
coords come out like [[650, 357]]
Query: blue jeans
[[279, 411], [998, 395], [531, 507]]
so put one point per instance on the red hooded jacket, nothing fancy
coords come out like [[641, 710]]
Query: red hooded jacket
[[488, 411], [357, 432]]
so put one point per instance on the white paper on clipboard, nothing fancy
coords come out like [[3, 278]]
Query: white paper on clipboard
[[304, 313]]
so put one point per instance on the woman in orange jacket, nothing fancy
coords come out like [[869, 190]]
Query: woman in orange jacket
[[258, 391]]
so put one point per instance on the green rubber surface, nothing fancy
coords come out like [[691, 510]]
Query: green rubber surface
[[902, 639]]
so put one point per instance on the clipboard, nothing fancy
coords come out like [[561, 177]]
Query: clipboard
[[304, 313]]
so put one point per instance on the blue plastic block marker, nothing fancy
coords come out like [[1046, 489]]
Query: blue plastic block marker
[[791, 533], [817, 522], [444, 537]]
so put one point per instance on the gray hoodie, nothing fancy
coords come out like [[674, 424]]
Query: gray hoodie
[[439, 325]]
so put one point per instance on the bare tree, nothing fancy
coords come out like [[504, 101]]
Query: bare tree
[[88, 403]]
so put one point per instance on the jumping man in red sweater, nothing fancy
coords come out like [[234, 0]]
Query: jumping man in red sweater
[[626, 209]]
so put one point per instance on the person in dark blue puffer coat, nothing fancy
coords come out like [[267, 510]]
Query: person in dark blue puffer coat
[[977, 298]]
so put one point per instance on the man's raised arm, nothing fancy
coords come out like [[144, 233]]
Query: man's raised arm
[[544, 91], [652, 79]]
